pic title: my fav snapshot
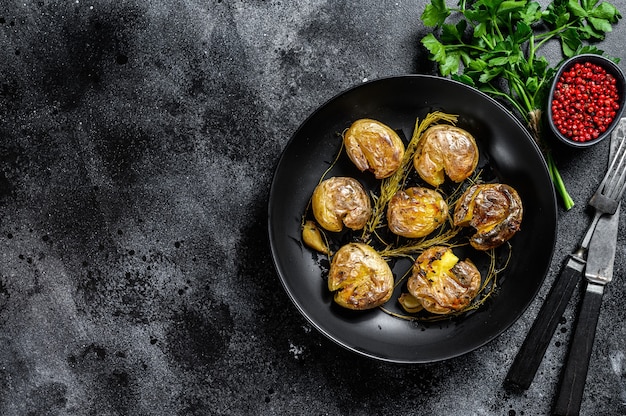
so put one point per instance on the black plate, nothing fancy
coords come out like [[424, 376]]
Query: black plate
[[397, 101]]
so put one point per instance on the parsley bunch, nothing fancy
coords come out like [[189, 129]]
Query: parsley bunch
[[492, 45]]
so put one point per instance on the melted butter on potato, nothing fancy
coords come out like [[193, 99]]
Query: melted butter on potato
[[340, 201], [360, 278], [445, 150], [416, 212], [373, 146], [494, 210], [441, 282]]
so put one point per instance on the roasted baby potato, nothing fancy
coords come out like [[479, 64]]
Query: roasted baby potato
[[360, 278], [445, 149], [441, 282], [373, 146], [416, 212], [494, 210], [340, 201]]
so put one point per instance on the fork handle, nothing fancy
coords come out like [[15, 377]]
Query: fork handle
[[574, 374], [530, 354]]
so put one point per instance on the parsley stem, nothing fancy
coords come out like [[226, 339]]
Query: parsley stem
[[463, 46], [531, 50], [568, 202], [520, 89], [545, 37], [497, 28], [487, 42], [495, 92]]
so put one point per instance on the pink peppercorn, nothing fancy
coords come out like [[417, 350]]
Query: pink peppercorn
[[585, 102]]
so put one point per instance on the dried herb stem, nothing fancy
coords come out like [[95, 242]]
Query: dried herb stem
[[444, 238], [487, 288], [389, 186]]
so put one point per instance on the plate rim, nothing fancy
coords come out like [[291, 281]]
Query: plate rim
[[349, 346]]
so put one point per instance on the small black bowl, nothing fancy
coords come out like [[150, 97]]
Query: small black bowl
[[611, 68]]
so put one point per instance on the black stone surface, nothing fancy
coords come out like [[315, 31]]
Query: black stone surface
[[137, 145]]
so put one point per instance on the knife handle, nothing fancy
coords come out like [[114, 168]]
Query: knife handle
[[529, 356], [572, 384]]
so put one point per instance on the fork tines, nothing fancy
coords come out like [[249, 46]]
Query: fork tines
[[611, 189]]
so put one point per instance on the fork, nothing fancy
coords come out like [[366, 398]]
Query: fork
[[605, 200]]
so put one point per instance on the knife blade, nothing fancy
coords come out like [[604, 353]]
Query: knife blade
[[601, 254], [598, 273]]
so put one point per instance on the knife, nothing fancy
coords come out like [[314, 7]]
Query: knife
[[529, 357], [598, 272]]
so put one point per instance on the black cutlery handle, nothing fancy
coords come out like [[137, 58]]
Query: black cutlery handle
[[530, 354], [572, 384]]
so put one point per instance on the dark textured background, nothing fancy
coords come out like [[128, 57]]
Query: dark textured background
[[137, 145]]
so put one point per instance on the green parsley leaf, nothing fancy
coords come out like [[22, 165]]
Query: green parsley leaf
[[522, 32], [478, 65], [556, 14], [499, 61], [576, 9], [510, 6], [570, 42], [435, 13], [436, 48], [600, 25], [464, 78], [531, 14], [606, 11], [451, 33], [480, 30], [490, 74], [450, 64]]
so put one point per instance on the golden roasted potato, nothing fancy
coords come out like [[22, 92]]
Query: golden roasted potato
[[340, 201], [373, 146], [360, 278], [494, 210], [441, 282], [445, 149], [416, 212]]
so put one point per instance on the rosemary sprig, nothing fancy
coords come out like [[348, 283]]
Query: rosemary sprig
[[389, 186]]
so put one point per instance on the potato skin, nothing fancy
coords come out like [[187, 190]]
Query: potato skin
[[340, 201], [441, 282], [374, 146], [494, 210], [360, 278], [445, 149], [416, 212]]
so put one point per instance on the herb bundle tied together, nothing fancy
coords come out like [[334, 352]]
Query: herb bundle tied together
[[493, 46]]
